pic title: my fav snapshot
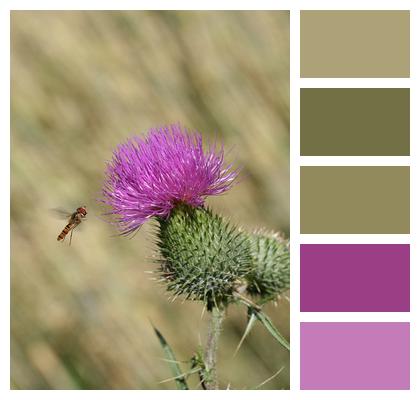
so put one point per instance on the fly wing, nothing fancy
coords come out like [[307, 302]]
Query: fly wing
[[60, 213]]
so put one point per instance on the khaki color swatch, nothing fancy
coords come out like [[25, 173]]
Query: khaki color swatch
[[355, 44], [355, 122], [355, 200]]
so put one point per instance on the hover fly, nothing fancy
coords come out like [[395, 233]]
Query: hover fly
[[74, 219]]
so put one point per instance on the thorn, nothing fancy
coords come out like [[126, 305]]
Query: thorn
[[270, 378], [202, 312]]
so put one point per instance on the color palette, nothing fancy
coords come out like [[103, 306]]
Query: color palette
[[355, 277], [355, 199], [355, 355], [355, 44], [355, 122]]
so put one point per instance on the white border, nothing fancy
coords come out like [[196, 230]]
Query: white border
[[354, 239], [294, 6], [355, 82], [414, 197], [354, 161], [5, 205]]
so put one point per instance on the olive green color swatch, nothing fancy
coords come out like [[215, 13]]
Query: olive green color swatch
[[355, 44], [358, 200], [355, 122]]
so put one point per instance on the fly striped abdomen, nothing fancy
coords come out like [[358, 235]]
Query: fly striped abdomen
[[65, 231]]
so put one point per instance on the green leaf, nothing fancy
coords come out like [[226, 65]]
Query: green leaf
[[271, 328], [251, 321], [179, 376]]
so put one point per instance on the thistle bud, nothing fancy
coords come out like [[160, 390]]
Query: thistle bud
[[270, 273], [202, 256]]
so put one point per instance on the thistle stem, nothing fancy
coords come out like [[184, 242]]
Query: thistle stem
[[210, 357]]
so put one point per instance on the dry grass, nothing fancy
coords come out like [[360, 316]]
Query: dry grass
[[81, 83]]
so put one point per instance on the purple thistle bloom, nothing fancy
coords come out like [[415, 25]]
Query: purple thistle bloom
[[149, 177]]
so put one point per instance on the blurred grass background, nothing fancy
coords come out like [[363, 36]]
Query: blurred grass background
[[81, 83]]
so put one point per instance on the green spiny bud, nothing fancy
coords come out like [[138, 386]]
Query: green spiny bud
[[202, 255], [270, 274]]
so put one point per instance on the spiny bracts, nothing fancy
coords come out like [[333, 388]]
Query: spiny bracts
[[270, 272], [202, 256]]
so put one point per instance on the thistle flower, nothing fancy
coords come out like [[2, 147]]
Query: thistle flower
[[149, 177]]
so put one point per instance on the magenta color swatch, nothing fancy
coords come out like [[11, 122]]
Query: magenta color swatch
[[355, 355], [355, 277]]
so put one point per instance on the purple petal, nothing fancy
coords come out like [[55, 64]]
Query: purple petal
[[148, 177]]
